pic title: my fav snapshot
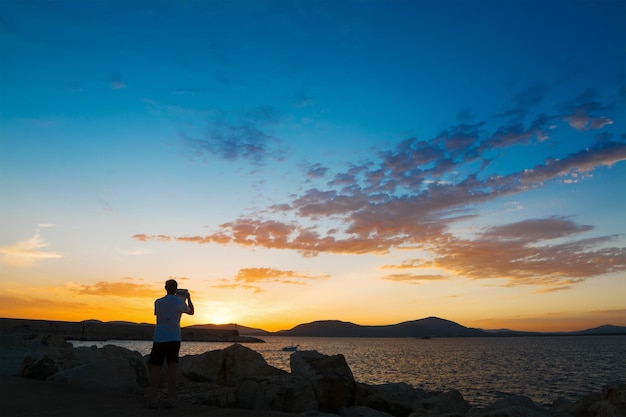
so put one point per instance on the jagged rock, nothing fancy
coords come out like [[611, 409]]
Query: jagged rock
[[397, 399], [330, 376], [449, 403], [121, 374], [511, 406], [286, 393], [228, 366]]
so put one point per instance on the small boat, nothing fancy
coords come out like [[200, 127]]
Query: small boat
[[290, 348]]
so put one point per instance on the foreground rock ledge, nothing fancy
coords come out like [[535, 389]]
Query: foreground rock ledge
[[239, 377]]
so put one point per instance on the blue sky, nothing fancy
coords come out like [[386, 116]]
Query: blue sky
[[289, 161]]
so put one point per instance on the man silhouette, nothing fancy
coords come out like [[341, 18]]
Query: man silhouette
[[166, 341]]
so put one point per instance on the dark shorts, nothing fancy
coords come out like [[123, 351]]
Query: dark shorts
[[164, 351]]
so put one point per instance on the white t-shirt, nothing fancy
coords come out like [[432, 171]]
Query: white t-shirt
[[168, 311]]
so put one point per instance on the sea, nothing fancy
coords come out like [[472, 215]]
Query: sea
[[543, 368]]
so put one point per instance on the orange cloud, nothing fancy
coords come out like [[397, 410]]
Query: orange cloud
[[525, 258], [118, 289], [273, 275], [247, 278], [145, 238]]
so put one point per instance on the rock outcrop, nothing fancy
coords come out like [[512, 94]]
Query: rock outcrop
[[238, 377], [227, 366], [330, 377]]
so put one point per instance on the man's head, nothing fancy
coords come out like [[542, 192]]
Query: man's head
[[171, 286]]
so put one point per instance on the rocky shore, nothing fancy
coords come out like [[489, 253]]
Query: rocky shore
[[237, 381]]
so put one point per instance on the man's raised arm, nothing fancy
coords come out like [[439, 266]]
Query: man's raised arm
[[190, 304]]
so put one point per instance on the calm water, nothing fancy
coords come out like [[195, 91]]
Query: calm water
[[542, 368]]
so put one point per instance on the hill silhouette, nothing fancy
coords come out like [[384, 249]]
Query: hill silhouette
[[606, 329], [426, 327]]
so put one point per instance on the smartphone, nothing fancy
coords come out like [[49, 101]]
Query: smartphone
[[182, 293]]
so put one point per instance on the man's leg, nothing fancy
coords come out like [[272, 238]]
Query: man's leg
[[157, 356], [172, 369], [155, 380]]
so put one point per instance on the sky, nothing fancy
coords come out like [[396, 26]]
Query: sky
[[291, 161]]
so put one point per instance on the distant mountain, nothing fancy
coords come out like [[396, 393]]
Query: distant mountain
[[606, 329], [427, 327]]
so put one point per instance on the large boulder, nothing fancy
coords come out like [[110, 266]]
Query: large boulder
[[205, 367], [47, 361], [121, 374], [227, 366], [286, 393], [111, 367], [37, 352], [330, 376]]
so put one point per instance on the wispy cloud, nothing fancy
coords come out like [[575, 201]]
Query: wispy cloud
[[244, 137], [27, 253], [587, 113]]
